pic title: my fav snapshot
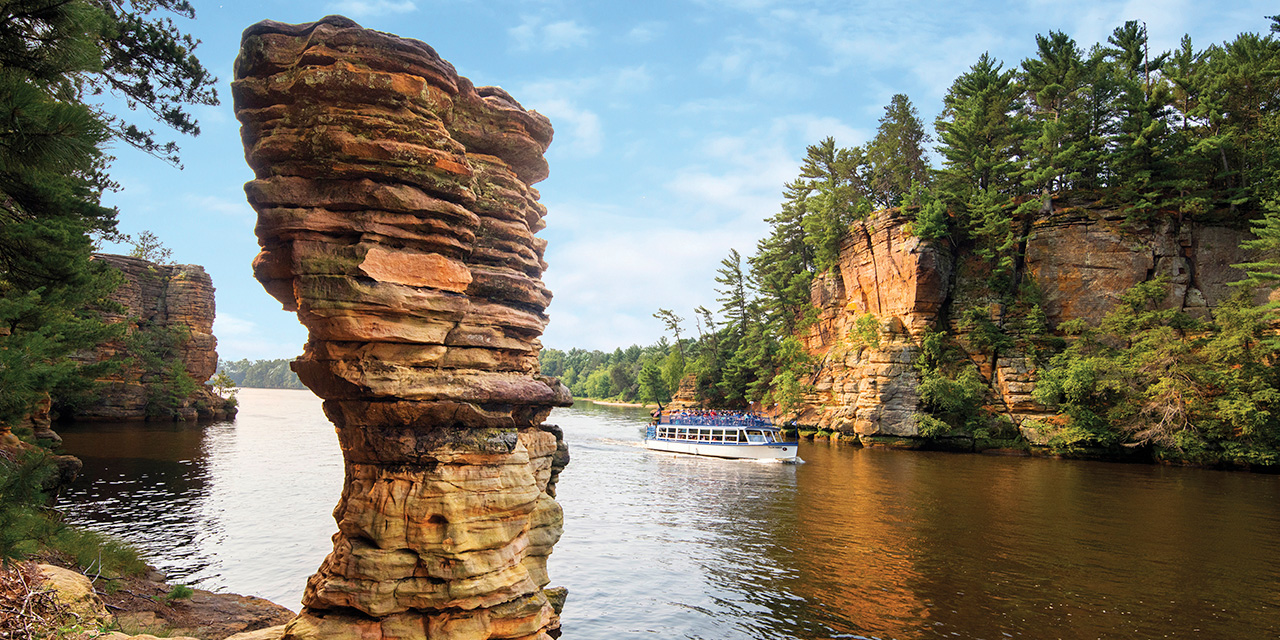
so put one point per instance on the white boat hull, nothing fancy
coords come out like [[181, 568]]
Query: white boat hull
[[785, 451]]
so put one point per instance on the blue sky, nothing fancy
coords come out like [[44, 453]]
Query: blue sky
[[677, 123]]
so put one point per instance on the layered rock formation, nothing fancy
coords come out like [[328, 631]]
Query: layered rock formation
[[396, 217], [169, 302], [1081, 260]]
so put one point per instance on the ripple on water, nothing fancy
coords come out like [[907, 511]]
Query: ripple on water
[[853, 544]]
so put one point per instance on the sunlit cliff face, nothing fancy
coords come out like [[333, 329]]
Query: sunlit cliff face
[[396, 217]]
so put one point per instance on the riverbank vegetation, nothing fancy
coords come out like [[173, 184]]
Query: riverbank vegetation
[[260, 374], [57, 57], [34, 530], [1189, 136]]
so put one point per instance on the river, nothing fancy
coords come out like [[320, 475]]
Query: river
[[855, 543]]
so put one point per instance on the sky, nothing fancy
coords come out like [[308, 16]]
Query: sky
[[677, 124]]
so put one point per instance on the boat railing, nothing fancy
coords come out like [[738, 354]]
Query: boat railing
[[716, 421]]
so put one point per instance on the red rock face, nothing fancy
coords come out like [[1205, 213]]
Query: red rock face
[[396, 217], [867, 388], [1081, 260]]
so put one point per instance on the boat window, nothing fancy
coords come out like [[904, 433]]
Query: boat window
[[704, 435], [769, 436], [754, 436], [741, 436], [717, 435]]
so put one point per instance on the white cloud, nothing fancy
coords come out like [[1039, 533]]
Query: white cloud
[[221, 206], [610, 281], [645, 32], [225, 324], [578, 130], [533, 33], [371, 8], [613, 265]]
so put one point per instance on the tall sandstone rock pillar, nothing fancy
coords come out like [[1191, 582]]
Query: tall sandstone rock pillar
[[396, 217]]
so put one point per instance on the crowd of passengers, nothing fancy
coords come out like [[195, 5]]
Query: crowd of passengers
[[714, 418]]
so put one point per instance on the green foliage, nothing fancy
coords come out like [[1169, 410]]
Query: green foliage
[[790, 384], [599, 384], [866, 330], [653, 388], [22, 497], [148, 247], [55, 56], [179, 592], [156, 351], [951, 390], [982, 331], [930, 222], [930, 427], [223, 386], [28, 527], [264, 374], [1148, 375], [897, 154]]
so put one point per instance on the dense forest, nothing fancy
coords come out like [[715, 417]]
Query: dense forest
[[261, 374], [1191, 134]]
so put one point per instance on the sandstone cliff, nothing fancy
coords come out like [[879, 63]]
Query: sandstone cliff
[[396, 217], [169, 311], [1080, 259]]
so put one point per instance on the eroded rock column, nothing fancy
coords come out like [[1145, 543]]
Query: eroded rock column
[[396, 217]]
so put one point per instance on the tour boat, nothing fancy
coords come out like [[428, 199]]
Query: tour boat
[[720, 435]]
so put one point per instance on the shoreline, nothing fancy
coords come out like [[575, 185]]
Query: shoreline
[[607, 403]]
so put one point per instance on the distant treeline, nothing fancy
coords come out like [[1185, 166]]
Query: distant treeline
[[634, 374], [261, 374]]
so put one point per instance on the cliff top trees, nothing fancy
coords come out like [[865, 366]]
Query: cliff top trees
[[980, 132], [896, 156]]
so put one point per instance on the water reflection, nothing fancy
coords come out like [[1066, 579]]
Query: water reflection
[[244, 506], [853, 544]]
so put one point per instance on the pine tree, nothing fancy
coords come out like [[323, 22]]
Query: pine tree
[[1052, 82], [897, 154], [733, 297], [980, 132], [54, 56]]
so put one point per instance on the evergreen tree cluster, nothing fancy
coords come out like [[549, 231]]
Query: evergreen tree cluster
[[56, 58], [1184, 135]]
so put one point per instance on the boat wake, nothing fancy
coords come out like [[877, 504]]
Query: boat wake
[[795, 460]]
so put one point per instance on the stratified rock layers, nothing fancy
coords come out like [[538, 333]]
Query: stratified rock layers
[[1081, 259], [173, 298], [395, 216]]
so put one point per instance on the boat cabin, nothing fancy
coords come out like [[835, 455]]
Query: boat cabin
[[726, 435]]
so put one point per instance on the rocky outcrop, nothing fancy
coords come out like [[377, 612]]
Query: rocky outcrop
[[142, 607], [396, 217], [169, 312], [1080, 259], [897, 286]]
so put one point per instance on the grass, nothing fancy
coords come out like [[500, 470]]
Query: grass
[[31, 529]]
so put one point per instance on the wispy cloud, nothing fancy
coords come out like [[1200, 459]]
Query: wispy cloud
[[536, 34], [578, 130], [371, 8], [645, 32], [205, 203], [226, 324]]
